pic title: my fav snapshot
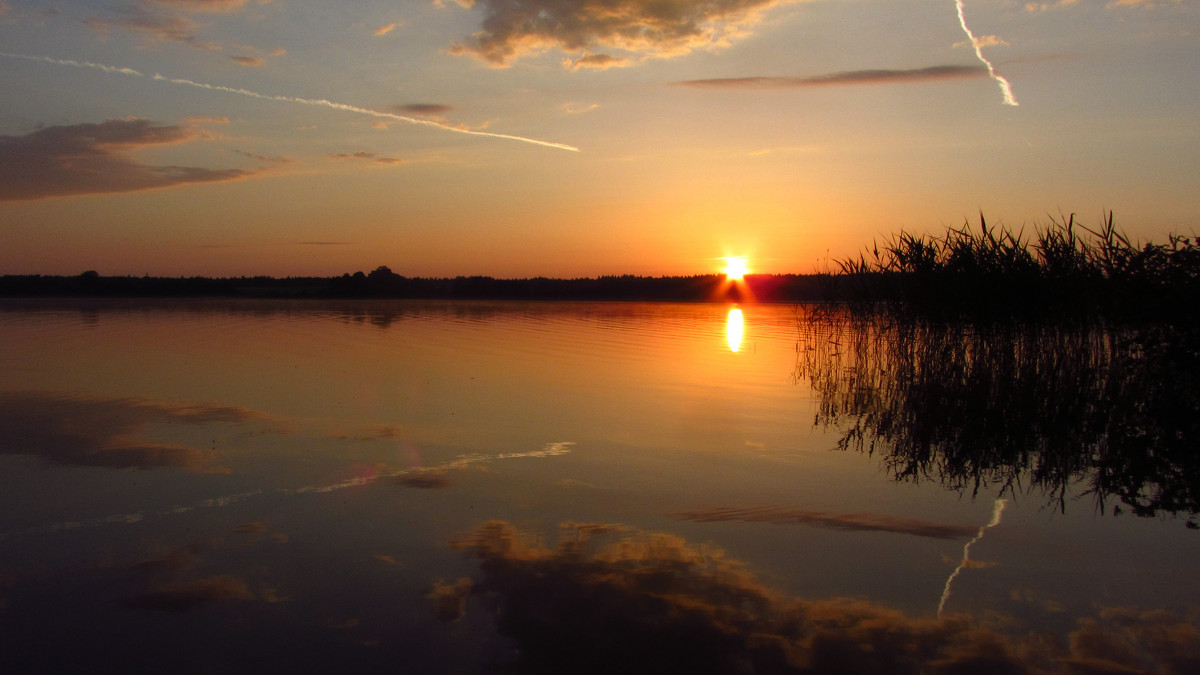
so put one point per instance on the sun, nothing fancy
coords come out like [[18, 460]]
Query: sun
[[735, 268]]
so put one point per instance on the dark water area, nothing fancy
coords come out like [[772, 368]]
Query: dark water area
[[464, 487]]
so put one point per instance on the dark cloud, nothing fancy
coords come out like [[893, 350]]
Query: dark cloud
[[422, 109], [188, 595], [846, 77], [450, 600], [363, 154], [81, 431], [643, 602], [93, 159], [514, 28], [424, 479], [843, 521]]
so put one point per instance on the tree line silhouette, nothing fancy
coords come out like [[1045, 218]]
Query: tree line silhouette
[[382, 282]]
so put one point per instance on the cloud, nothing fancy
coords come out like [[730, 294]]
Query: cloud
[[608, 598], [100, 432], [188, 595], [1045, 6], [879, 76], [251, 61], [424, 479], [873, 522], [512, 29], [363, 154], [205, 6], [155, 27], [595, 62], [93, 159], [384, 30], [4, 7], [1139, 3], [422, 109], [578, 108], [272, 159], [450, 600], [984, 41]]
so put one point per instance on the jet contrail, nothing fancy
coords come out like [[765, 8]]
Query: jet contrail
[[997, 510], [324, 103], [548, 450], [1005, 88]]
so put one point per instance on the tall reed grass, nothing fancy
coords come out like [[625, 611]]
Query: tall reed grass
[[1060, 267]]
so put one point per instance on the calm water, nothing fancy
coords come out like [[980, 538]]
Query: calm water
[[471, 487]]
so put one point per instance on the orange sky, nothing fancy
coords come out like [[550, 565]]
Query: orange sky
[[291, 137]]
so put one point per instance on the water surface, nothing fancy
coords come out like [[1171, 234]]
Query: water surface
[[463, 487]]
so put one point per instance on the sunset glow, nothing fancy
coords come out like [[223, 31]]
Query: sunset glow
[[517, 140], [735, 268]]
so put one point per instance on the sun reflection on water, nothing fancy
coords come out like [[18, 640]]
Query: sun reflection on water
[[734, 329]]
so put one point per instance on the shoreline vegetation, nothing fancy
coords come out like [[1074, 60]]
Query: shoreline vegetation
[[966, 272], [384, 283]]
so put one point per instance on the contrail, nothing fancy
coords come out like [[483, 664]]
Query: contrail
[[548, 450], [1005, 87], [324, 103], [997, 510]]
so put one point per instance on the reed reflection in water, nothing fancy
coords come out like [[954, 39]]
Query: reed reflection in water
[[1015, 406]]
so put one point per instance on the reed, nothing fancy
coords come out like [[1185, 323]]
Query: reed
[[1062, 266]]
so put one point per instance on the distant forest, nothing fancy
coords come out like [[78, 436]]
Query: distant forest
[[1060, 270], [383, 283]]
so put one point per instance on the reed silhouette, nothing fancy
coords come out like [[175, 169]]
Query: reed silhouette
[[995, 271]]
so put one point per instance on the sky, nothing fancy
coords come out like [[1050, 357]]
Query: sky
[[578, 138]]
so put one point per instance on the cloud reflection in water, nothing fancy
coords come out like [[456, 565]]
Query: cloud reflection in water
[[645, 602]]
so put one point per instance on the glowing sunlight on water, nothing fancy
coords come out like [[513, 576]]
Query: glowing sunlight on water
[[734, 328]]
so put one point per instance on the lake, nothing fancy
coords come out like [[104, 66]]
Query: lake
[[464, 487]]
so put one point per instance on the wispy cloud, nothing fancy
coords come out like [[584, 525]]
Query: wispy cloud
[[1046, 6], [363, 154], [185, 596], [250, 61], [878, 76], [843, 521], [512, 29], [384, 30], [983, 41], [103, 432], [94, 158], [206, 6], [578, 108], [422, 109], [155, 27], [272, 159]]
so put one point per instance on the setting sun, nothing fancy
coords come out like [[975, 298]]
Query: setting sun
[[735, 268]]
